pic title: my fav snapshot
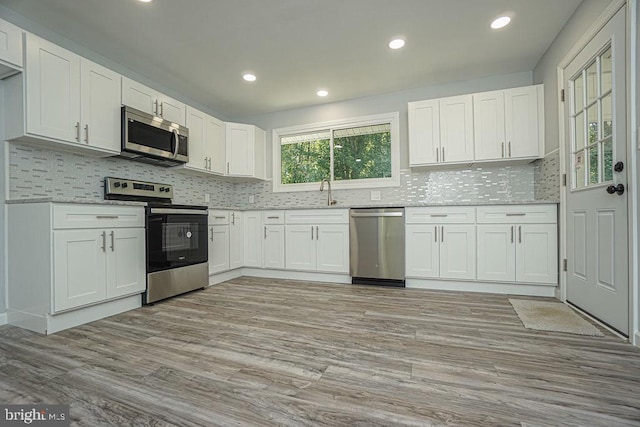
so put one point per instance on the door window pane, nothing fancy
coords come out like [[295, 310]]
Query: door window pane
[[592, 83], [578, 96], [607, 116], [592, 124], [607, 160], [363, 152], [305, 158], [605, 66], [580, 133], [579, 159], [593, 165]]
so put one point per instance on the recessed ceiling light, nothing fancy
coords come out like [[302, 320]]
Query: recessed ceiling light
[[249, 77], [322, 93], [501, 22], [145, 1], [396, 43]]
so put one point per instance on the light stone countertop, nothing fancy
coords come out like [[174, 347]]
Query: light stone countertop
[[77, 201]]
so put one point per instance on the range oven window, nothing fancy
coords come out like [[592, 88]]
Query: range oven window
[[175, 240]]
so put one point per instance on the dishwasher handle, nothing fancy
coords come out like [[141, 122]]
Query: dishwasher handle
[[373, 215]]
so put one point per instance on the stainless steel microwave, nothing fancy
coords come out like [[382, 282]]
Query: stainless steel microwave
[[152, 139]]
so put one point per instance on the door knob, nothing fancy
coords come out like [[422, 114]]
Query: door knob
[[616, 189]]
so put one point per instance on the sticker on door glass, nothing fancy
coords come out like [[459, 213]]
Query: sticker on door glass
[[579, 160]]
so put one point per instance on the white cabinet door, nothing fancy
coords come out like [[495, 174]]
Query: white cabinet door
[[424, 132], [10, 43], [236, 240], [79, 268], [274, 246], [53, 91], [196, 122], [171, 109], [253, 236], [300, 247], [215, 145], [521, 121], [100, 106], [332, 248], [488, 125], [422, 251], [458, 252], [537, 253], [496, 253], [139, 96], [218, 248], [240, 149], [126, 265], [456, 129]]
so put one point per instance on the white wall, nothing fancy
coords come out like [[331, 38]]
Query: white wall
[[547, 69], [396, 101]]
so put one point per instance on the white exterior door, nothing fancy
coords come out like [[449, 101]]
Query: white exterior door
[[537, 253], [100, 106], [422, 251], [456, 129], [521, 122], [274, 246], [597, 227], [236, 241], [79, 267], [126, 270], [496, 253], [300, 247], [332, 248], [488, 124], [218, 248], [424, 132], [240, 149], [458, 252], [253, 235], [53, 90]]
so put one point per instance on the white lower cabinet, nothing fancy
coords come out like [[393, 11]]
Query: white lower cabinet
[[253, 233], [524, 251], [218, 248], [91, 262], [274, 245], [236, 240], [322, 248]]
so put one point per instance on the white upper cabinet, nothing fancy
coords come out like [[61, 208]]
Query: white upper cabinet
[[215, 147], [441, 131], [150, 101], [245, 150], [508, 123], [11, 59], [499, 125], [65, 100], [206, 143]]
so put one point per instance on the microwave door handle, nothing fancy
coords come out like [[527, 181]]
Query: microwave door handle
[[177, 145]]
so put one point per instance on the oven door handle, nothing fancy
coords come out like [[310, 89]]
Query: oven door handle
[[178, 211]]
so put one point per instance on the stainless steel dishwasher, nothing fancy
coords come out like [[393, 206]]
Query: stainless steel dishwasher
[[376, 246]]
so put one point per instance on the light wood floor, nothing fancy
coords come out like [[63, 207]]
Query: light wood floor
[[264, 352]]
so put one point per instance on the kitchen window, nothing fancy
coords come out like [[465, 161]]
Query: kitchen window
[[353, 153]]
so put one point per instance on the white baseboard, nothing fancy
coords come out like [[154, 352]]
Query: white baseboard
[[224, 276], [493, 288], [297, 275], [637, 340], [3, 319]]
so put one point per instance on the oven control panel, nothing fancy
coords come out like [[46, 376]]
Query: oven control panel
[[119, 187]]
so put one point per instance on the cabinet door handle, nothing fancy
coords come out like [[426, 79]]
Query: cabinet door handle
[[437, 156], [206, 163], [442, 234], [113, 241], [219, 217], [312, 232], [438, 215], [443, 154], [161, 109], [435, 232], [209, 163], [155, 107], [78, 131], [104, 241], [512, 233], [317, 234], [503, 150], [233, 218], [509, 148], [106, 216], [265, 232], [86, 128], [519, 234], [516, 214], [273, 217], [211, 234], [227, 168]]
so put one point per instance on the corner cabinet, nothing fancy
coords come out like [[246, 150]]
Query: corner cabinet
[[497, 126], [11, 59], [245, 151], [65, 100], [150, 101], [91, 261]]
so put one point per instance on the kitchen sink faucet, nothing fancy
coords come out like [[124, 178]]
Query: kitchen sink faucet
[[330, 201]]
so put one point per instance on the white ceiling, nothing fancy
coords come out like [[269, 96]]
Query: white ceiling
[[200, 48]]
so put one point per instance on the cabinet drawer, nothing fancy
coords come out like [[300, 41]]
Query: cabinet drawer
[[441, 215], [521, 214], [317, 216], [218, 217], [96, 216], [273, 217]]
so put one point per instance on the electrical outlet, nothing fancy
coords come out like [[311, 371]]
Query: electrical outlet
[[252, 198], [375, 195], [207, 197]]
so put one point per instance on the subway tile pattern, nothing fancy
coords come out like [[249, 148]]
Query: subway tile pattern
[[506, 184], [547, 177], [35, 173]]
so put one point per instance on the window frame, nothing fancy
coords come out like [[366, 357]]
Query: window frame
[[394, 181]]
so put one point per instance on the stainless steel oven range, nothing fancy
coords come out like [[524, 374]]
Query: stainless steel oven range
[[176, 238]]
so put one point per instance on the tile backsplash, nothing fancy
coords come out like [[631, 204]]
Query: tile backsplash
[[36, 172]]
